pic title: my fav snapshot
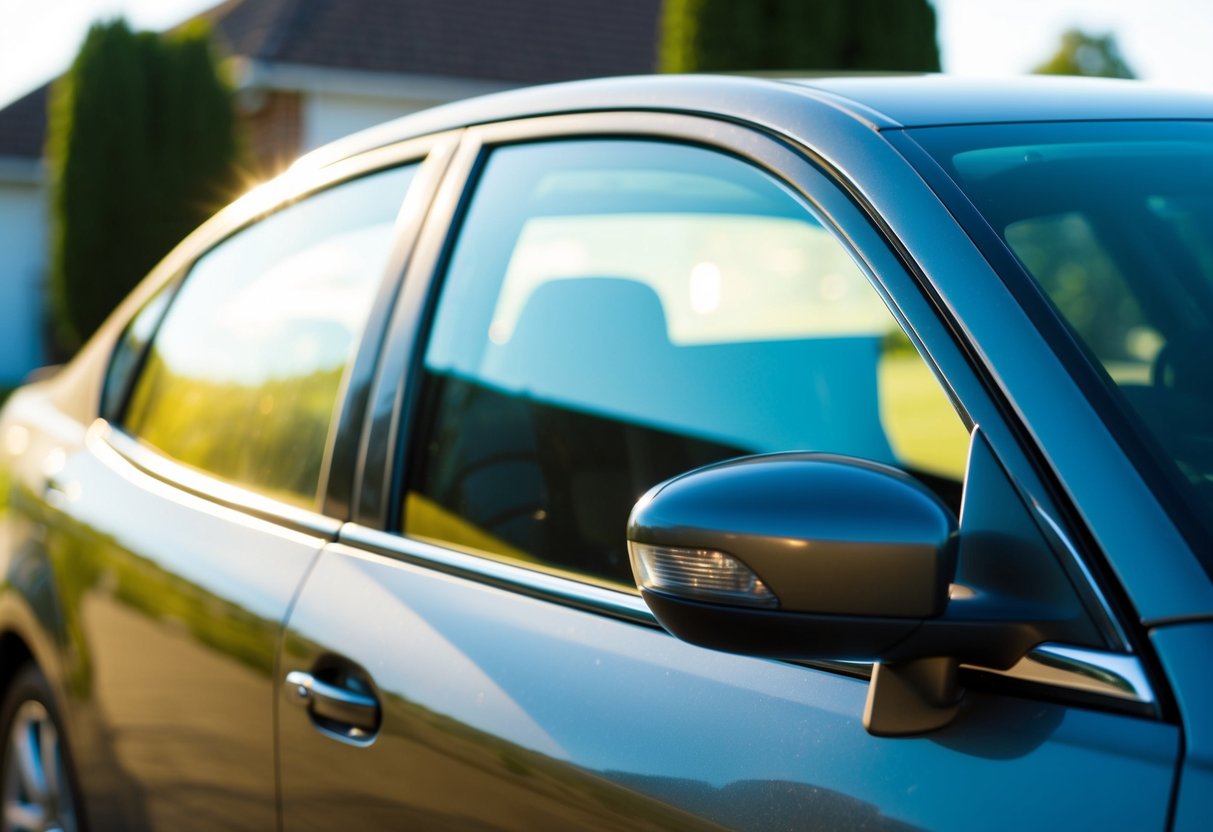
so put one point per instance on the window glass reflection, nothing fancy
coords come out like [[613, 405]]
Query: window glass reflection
[[1064, 253], [1114, 222], [244, 375], [618, 312]]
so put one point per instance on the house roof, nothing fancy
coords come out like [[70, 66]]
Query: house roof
[[519, 42], [23, 125]]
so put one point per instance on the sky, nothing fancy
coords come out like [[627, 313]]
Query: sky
[[1164, 41]]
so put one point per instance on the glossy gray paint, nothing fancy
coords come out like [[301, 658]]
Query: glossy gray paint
[[507, 720], [940, 99], [164, 643], [1184, 650]]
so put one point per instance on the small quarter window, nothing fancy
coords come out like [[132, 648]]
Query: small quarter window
[[132, 345]]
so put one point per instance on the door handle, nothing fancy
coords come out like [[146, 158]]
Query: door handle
[[352, 714]]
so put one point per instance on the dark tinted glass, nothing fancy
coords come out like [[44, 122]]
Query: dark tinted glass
[[618, 312], [1115, 223], [246, 370]]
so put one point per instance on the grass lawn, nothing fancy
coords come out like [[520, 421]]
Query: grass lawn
[[921, 424]]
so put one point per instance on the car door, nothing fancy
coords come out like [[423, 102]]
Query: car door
[[181, 526], [618, 299]]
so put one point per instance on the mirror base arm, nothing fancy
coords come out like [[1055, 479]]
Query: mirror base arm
[[912, 697]]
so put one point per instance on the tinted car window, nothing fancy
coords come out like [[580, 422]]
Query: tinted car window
[[1114, 222], [618, 312], [1078, 272], [244, 374]]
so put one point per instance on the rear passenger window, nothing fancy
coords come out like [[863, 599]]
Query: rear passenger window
[[618, 312], [246, 369]]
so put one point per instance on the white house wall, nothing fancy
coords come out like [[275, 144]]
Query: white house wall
[[330, 116], [337, 102], [23, 251]]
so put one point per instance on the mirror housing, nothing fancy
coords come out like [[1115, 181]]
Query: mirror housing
[[807, 556], [826, 534]]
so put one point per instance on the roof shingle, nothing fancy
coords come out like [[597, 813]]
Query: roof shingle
[[23, 125], [522, 41]]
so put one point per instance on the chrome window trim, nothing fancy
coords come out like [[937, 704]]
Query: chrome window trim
[[104, 439], [1115, 678], [1062, 539], [1100, 672], [484, 570]]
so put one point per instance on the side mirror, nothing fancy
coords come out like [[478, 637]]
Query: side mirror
[[809, 556]]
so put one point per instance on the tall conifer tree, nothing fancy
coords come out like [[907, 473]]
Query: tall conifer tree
[[142, 147]]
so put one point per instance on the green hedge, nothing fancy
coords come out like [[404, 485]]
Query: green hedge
[[793, 35]]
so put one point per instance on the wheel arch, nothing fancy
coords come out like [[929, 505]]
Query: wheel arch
[[14, 654]]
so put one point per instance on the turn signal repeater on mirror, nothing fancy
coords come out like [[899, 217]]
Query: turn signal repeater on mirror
[[699, 574]]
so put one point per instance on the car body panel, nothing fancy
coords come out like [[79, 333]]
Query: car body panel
[[167, 644], [539, 709], [939, 99], [1184, 650]]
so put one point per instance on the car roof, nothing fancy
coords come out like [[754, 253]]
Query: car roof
[[880, 102], [932, 100]]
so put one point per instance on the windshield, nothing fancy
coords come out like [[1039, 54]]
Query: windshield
[[1114, 222]]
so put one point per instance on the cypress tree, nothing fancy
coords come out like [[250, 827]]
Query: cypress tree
[[142, 147], [727, 35]]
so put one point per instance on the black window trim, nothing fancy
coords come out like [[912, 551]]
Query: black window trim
[[191, 481]]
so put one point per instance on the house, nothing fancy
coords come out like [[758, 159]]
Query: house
[[310, 71]]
